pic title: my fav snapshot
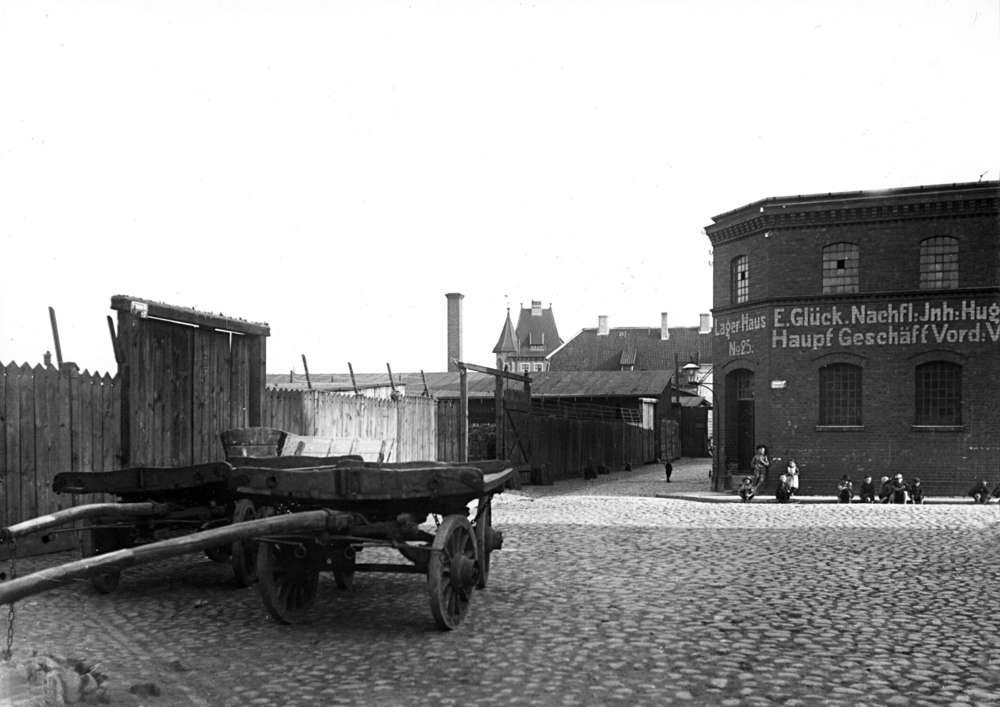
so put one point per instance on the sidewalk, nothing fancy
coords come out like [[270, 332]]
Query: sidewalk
[[694, 472]]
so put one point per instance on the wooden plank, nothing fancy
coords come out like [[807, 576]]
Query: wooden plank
[[200, 397], [238, 381], [12, 431], [222, 363], [159, 434], [64, 432], [494, 372], [5, 512], [46, 427], [26, 434], [256, 377], [160, 310], [125, 344]]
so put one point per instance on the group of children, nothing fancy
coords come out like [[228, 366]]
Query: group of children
[[893, 490]]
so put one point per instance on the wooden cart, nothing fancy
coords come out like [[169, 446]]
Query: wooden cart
[[288, 518]]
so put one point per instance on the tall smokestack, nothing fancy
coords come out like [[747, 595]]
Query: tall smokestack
[[454, 329], [602, 324], [664, 330]]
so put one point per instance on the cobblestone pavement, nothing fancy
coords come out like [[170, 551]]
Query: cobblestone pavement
[[602, 595]]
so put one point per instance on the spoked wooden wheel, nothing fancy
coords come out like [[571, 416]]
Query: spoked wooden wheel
[[484, 539], [100, 541], [453, 571], [287, 583], [244, 552]]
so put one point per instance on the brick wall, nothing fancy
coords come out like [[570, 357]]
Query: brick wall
[[783, 245]]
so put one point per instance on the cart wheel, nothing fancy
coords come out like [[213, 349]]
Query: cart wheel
[[287, 584], [453, 571], [100, 541], [244, 552], [484, 539]]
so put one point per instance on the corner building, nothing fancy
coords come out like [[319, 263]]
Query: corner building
[[859, 333]]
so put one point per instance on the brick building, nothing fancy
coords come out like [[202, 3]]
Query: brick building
[[524, 349], [859, 333]]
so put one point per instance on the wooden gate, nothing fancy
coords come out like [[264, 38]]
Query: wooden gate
[[186, 376]]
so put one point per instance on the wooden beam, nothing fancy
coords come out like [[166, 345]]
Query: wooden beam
[[305, 365], [159, 310], [463, 415], [493, 372], [55, 335], [114, 341]]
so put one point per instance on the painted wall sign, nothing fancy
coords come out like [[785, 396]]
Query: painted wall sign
[[856, 325], [903, 324]]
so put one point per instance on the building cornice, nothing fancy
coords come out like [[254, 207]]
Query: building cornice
[[853, 208]]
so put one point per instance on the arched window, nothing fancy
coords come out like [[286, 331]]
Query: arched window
[[840, 395], [840, 268], [938, 399], [939, 263], [739, 280]]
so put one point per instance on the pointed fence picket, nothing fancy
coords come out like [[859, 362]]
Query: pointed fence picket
[[53, 421]]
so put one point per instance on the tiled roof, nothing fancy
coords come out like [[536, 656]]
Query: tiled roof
[[589, 352], [538, 331], [508, 339]]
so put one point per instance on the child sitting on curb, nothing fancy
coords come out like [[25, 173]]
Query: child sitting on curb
[[784, 491], [845, 490], [868, 490], [747, 490]]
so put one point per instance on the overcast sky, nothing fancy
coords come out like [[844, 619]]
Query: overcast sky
[[334, 168]]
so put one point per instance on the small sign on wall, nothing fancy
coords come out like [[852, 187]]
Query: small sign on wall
[[141, 309], [777, 385]]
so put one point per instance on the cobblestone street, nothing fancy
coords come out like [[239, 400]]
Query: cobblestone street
[[602, 595]]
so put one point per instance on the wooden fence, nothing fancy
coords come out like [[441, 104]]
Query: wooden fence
[[567, 445], [53, 421], [411, 421]]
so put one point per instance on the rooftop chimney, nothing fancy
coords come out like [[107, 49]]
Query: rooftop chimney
[[706, 324], [602, 324], [454, 329], [664, 331], [536, 308]]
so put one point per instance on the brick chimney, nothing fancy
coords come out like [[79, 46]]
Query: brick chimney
[[706, 324], [602, 324], [536, 308], [454, 328], [664, 331]]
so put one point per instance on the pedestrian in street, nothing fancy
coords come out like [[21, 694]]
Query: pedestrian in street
[[747, 489], [784, 491], [868, 490], [898, 492], [845, 490], [884, 491], [670, 470], [793, 477], [980, 492], [916, 493], [760, 463]]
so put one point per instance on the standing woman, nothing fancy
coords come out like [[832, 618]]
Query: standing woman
[[760, 464], [793, 477]]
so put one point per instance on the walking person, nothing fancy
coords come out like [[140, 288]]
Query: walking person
[[760, 463], [670, 469]]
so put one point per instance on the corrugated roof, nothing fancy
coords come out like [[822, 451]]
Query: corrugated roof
[[599, 384], [589, 352], [569, 384]]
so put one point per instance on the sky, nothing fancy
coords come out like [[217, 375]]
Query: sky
[[333, 169]]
